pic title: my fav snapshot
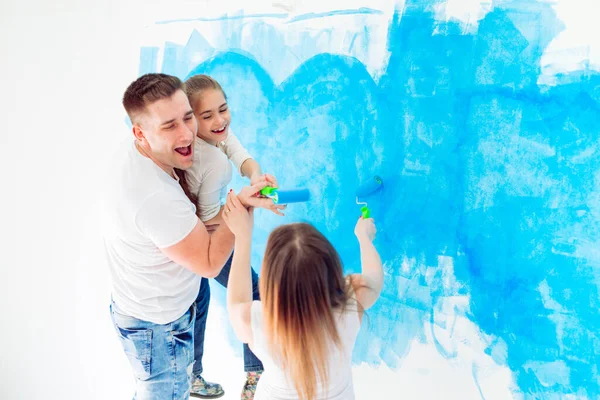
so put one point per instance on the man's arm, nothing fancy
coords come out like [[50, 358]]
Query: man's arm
[[169, 221], [202, 253]]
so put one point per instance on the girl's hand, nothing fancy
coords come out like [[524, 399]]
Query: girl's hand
[[270, 179], [248, 196]]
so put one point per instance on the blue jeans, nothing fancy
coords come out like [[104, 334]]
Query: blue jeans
[[251, 362], [161, 356]]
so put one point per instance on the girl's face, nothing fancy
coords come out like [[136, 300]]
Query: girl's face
[[212, 114]]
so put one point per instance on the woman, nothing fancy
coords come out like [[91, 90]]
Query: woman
[[306, 324]]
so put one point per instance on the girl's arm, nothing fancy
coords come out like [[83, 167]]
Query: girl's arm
[[243, 161], [251, 169]]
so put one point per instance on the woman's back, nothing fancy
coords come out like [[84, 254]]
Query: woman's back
[[305, 326], [274, 385]]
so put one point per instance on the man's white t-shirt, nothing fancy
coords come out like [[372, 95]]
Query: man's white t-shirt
[[211, 172], [145, 209]]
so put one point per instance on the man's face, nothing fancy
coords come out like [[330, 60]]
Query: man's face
[[166, 132]]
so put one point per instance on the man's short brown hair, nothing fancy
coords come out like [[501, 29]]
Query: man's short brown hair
[[146, 90]]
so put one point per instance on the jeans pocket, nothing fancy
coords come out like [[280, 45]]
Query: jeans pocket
[[183, 337], [137, 344]]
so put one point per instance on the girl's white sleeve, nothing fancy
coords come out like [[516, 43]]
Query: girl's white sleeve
[[234, 151], [205, 180]]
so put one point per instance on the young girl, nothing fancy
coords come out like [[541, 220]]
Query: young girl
[[206, 183], [305, 327], [214, 148]]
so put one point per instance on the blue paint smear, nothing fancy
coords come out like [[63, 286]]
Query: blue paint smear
[[301, 17], [479, 165], [223, 18], [474, 371], [148, 60], [362, 10]]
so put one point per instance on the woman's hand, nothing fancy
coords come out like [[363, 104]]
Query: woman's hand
[[239, 220], [365, 229]]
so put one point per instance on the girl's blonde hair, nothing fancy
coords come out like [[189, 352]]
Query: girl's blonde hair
[[196, 84]]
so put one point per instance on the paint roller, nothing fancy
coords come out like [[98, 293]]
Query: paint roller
[[280, 196], [366, 189]]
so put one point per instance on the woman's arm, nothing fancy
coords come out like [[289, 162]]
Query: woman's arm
[[239, 285], [369, 283]]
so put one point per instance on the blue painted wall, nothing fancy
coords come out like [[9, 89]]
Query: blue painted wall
[[480, 165]]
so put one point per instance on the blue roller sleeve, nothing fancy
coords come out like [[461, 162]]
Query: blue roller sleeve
[[366, 189], [291, 196], [371, 186]]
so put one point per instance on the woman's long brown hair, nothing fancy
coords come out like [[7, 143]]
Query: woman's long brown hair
[[301, 285]]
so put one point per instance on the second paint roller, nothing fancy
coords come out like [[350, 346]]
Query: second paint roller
[[366, 189]]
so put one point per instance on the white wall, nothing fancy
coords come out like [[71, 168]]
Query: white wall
[[65, 65]]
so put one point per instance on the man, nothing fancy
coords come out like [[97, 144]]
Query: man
[[156, 247]]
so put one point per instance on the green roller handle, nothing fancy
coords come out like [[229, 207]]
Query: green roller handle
[[366, 213], [268, 191]]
